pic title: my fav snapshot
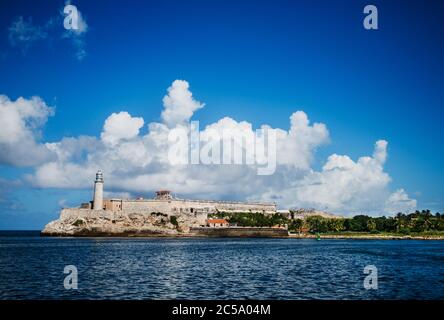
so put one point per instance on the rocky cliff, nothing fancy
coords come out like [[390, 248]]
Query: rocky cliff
[[86, 222]]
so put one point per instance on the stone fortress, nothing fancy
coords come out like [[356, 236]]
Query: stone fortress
[[164, 202], [162, 215]]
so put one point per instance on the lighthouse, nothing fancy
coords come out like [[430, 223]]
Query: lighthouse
[[98, 191]]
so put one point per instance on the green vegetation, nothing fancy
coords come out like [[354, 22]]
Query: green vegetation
[[174, 222], [416, 223], [159, 214], [252, 219], [419, 222], [296, 225], [78, 222]]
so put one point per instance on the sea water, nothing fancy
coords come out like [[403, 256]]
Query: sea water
[[32, 267]]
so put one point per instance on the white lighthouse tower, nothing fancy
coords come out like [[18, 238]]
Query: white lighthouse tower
[[98, 191]]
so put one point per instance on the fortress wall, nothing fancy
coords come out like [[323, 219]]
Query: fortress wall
[[196, 210], [192, 206], [268, 208], [176, 206], [169, 207], [69, 213], [147, 205], [79, 213]]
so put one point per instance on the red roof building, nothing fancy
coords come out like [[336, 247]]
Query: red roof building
[[217, 223]]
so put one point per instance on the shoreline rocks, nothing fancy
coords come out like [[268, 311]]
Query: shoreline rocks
[[105, 223]]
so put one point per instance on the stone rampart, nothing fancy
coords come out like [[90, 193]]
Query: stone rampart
[[240, 232]]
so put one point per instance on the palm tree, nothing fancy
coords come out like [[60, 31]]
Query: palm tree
[[298, 224], [427, 219], [336, 225], [399, 220]]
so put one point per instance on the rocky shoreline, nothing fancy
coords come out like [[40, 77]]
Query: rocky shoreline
[[94, 223], [105, 223]]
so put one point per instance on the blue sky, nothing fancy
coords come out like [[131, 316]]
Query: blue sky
[[258, 61]]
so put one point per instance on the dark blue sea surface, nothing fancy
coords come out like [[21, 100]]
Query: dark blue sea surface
[[31, 267]]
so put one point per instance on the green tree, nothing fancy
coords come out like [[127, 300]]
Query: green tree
[[371, 225], [336, 225], [400, 221], [317, 224], [297, 225], [174, 222], [358, 223], [382, 223]]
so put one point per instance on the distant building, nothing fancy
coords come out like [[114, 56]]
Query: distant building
[[163, 195], [214, 223]]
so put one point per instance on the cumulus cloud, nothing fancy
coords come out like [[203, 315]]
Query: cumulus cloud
[[179, 104], [343, 185], [296, 147], [57, 174], [137, 162], [348, 187], [20, 123], [120, 126], [399, 201], [380, 153]]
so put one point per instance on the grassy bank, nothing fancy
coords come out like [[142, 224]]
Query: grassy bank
[[416, 225], [430, 235]]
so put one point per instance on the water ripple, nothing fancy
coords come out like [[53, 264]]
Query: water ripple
[[32, 268]]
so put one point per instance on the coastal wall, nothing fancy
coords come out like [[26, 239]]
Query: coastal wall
[[240, 232]]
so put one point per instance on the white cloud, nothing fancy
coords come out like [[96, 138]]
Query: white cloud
[[399, 201], [58, 174], [380, 153], [138, 163], [179, 104], [347, 187], [296, 147], [120, 126], [20, 122], [74, 149]]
